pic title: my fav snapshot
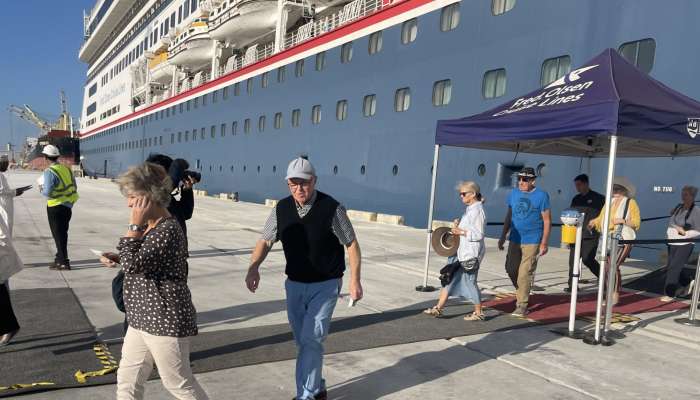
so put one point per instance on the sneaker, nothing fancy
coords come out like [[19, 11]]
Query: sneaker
[[60, 267], [520, 311], [666, 299]]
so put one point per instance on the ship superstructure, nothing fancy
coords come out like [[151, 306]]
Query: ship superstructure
[[240, 87]]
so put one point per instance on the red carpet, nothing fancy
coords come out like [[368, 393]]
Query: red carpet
[[555, 307]]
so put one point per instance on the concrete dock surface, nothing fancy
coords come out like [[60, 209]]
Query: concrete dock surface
[[658, 358]]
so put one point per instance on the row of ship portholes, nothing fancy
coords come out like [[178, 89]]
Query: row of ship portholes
[[480, 170], [363, 169]]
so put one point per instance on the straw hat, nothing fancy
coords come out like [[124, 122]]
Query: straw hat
[[444, 243], [624, 182]]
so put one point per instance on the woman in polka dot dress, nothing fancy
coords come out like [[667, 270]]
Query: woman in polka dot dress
[[162, 318]]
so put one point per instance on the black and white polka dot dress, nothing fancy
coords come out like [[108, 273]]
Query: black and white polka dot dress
[[156, 295]]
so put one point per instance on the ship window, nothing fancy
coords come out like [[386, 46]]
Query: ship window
[[92, 90], [346, 53], [215, 96], [449, 18], [167, 112], [299, 68], [281, 72], [202, 132], [296, 118], [212, 131], [204, 99], [225, 93], [196, 102], [234, 128], [223, 130], [278, 120], [554, 68], [237, 89], [261, 124], [402, 99], [179, 14], [246, 125], [264, 79], [188, 105], [91, 108], [375, 42], [640, 53], [494, 84], [442, 92], [409, 31], [194, 134], [320, 61], [341, 110], [362, 170], [187, 8], [187, 136], [179, 137], [249, 86], [316, 114], [499, 7], [369, 105], [395, 170], [335, 170], [182, 107]]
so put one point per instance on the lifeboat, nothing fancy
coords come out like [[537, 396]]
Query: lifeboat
[[192, 48], [160, 68], [242, 22]]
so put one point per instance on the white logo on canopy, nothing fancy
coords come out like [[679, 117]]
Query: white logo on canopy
[[693, 127], [572, 76]]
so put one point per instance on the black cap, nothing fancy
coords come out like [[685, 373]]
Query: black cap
[[527, 172]]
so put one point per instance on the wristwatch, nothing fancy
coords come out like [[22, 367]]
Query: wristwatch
[[137, 228]]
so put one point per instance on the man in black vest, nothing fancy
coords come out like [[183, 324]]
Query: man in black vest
[[589, 202], [315, 230]]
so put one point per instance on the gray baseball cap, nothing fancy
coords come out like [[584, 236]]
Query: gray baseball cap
[[300, 168]]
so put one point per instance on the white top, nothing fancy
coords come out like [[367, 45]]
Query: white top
[[679, 220], [471, 244], [10, 263], [7, 197]]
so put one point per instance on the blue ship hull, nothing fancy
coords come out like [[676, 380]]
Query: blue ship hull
[[254, 164]]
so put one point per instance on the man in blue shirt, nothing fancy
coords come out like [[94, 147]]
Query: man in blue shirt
[[529, 222]]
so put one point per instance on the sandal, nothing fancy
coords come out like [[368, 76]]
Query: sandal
[[475, 317], [434, 311]]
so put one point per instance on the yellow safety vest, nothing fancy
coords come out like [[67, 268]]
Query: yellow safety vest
[[65, 191]]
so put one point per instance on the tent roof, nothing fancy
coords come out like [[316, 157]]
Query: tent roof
[[574, 114]]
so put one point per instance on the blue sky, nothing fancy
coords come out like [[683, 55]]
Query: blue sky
[[39, 40]]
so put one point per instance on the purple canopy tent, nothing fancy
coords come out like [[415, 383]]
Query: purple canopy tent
[[587, 112]]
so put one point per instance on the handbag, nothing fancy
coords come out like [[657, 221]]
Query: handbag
[[118, 290], [448, 271], [626, 232], [471, 266]]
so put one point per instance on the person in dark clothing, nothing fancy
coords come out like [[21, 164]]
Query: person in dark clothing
[[183, 207], [589, 202]]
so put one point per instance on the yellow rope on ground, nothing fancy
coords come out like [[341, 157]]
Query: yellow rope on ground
[[106, 359], [17, 386]]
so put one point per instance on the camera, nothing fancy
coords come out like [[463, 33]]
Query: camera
[[178, 172], [687, 227]]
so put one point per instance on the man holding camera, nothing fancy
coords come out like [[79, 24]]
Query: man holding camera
[[183, 180]]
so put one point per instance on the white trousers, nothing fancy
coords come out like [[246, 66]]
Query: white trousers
[[172, 357]]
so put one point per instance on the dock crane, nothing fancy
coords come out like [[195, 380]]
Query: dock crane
[[63, 123]]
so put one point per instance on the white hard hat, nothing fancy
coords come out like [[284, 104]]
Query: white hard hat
[[51, 151]]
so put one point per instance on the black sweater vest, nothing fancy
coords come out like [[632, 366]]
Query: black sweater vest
[[312, 250]]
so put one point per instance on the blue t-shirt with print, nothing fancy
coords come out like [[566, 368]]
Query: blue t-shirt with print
[[527, 225]]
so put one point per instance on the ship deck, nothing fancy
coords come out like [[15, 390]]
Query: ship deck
[[658, 359]]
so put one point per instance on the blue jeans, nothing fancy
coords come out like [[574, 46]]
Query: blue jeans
[[309, 309]]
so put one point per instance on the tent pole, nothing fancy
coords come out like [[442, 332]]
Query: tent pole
[[425, 287], [602, 258]]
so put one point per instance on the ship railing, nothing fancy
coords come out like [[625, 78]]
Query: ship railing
[[350, 12], [258, 52]]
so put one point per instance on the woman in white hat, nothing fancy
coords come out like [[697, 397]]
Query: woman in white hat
[[470, 230], [624, 218]]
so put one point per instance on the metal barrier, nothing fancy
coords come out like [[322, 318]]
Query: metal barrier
[[608, 337]]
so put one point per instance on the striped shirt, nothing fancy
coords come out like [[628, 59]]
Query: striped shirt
[[341, 225]]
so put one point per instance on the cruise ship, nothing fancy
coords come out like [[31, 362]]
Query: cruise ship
[[240, 87]]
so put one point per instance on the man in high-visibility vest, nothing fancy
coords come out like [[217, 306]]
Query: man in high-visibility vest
[[62, 193]]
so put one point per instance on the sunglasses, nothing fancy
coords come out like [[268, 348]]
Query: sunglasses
[[462, 194], [524, 179]]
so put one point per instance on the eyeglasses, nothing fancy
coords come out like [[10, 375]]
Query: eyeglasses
[[295, 186]]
